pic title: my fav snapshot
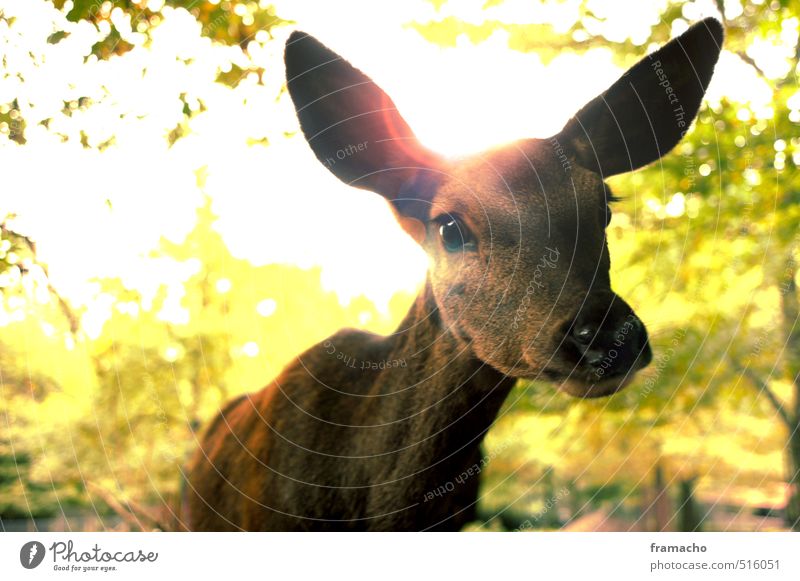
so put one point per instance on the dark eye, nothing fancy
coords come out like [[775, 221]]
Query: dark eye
[[455, 236], [608, 215]]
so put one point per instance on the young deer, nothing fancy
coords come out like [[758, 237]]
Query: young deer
[[518, 287]]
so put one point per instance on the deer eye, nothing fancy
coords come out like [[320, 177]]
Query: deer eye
[[455, 236]]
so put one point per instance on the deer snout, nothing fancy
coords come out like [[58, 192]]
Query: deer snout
[[607, 339]]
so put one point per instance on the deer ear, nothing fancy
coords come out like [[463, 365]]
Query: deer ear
[[352, 126], [648, 110]]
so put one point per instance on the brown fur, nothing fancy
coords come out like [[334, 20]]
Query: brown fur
[[347, 468]]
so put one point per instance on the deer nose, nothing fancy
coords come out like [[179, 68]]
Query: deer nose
[[585, 339], [612, 343]]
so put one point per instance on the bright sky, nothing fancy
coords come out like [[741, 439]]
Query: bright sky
[[276, 203]]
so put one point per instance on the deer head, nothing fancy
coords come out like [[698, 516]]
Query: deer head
[[516, 235]]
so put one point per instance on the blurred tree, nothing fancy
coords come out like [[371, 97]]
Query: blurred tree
[[23, 490], [741, 184], [717, 249], [227, 21], [163, 363]]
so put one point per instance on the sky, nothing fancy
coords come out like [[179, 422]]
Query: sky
[[100, 212]]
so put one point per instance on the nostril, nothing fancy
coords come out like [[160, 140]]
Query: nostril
[[584, 335], [593, 358]]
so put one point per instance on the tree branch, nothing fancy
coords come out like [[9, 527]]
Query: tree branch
[[790, 310], [749, 60], [763, 387], [790, 304], [66, 309]]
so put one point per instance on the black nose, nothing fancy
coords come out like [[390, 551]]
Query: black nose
[[608, 338]]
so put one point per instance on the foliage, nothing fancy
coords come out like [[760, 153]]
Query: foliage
[[161, 366], [709, 255], [230, 22]]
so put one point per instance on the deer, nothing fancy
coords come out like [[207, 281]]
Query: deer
[[518, 287]]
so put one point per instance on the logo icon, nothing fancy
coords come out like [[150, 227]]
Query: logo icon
[[31, 554]]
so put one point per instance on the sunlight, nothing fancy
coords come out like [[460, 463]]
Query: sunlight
[[459, 100]]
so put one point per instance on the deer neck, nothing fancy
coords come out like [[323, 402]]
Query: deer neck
[[446, 397]]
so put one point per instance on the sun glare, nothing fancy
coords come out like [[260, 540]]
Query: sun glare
[[275, 202]]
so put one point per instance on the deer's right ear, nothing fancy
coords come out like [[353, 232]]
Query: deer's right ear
[[352, 126], [647, 111]]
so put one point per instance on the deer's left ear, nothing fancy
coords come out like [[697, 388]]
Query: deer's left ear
[[648, 110]]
